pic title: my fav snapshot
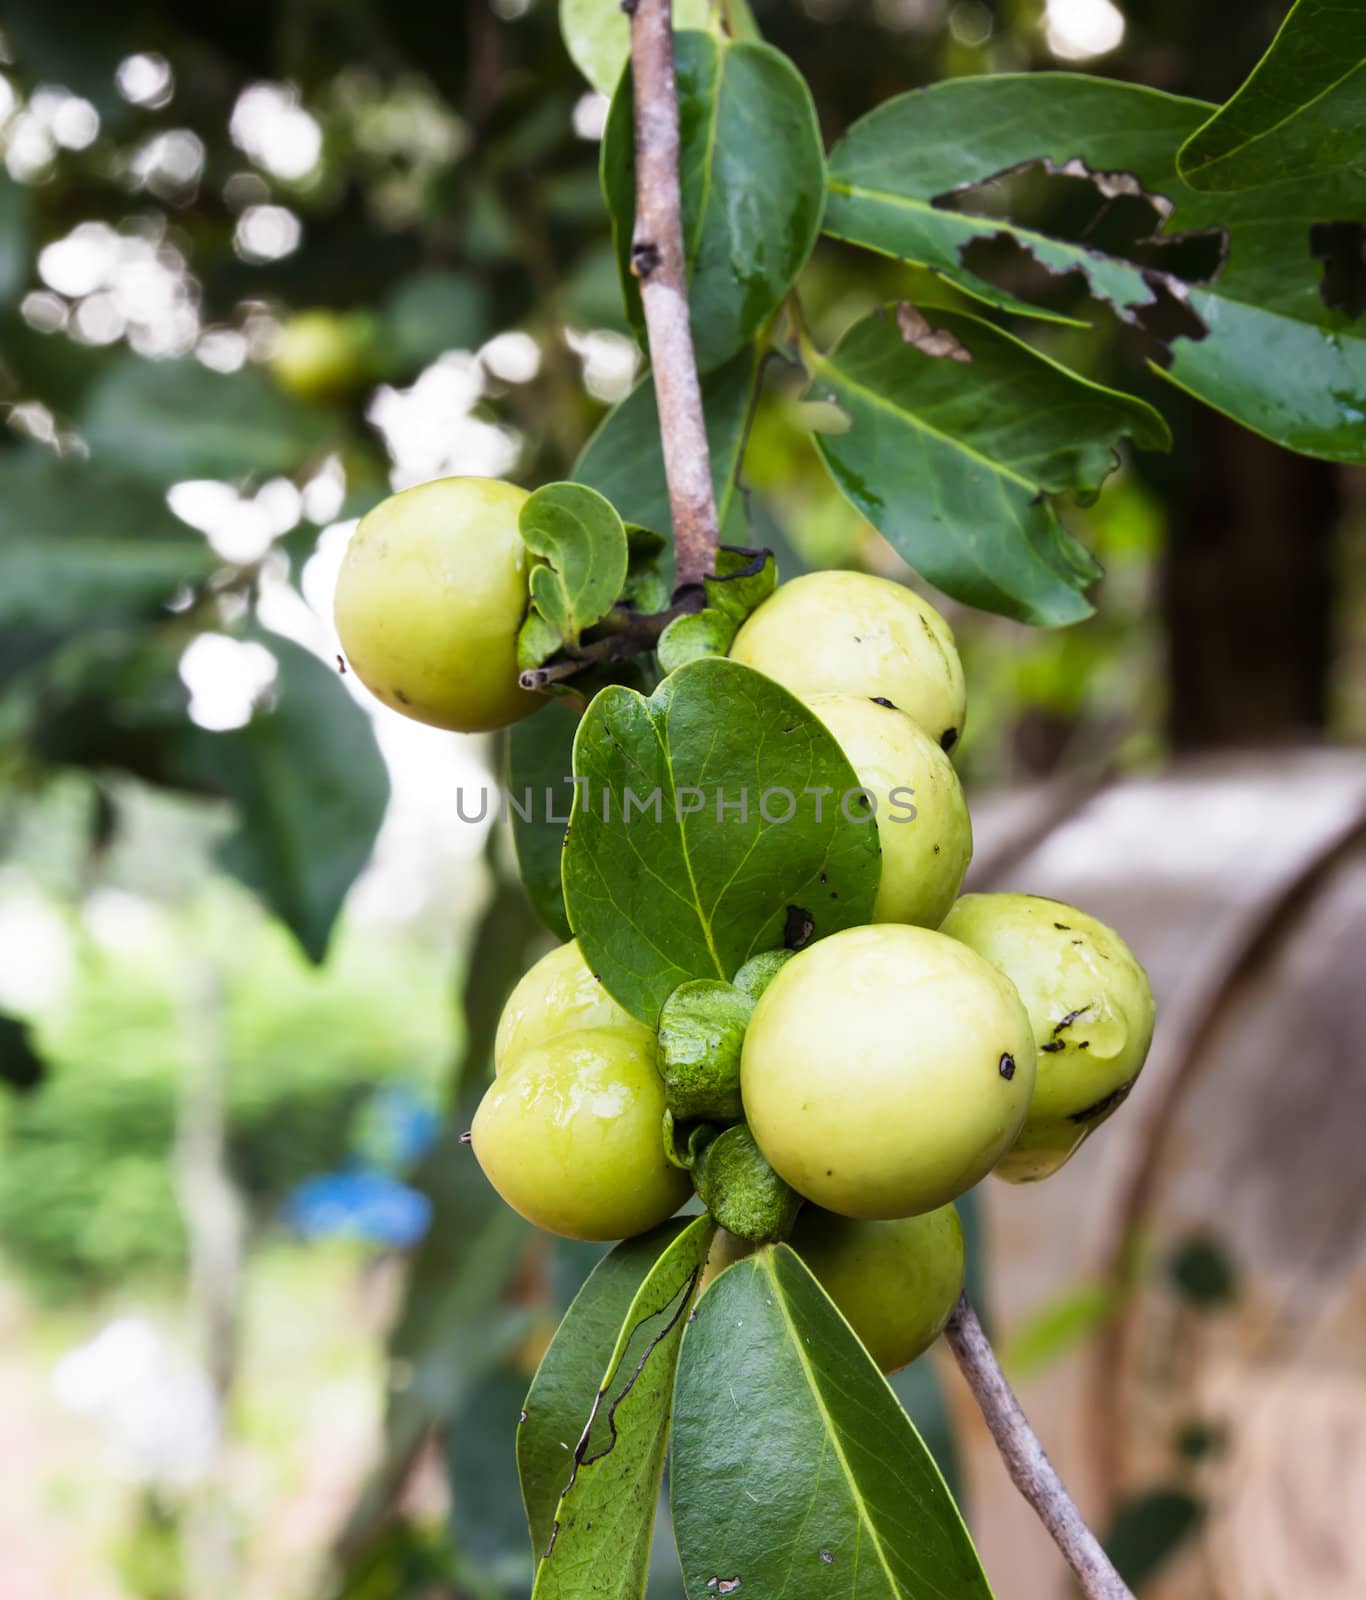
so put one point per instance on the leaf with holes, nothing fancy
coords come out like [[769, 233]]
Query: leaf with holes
[[772, 1375], [625, 461], [1301, 113], [580, 546], [310, 789], [1253, 323], [753, 176], [715, 820], [958, 433], [590, 1449]]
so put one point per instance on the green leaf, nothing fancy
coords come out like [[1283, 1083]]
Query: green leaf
[[1301, 113], [648, 576], [1267, 348], [591, 1447], [481, 1469], [597, 34], [921, 1393], [310, 788], [679, 863], [540, 773], [1148, 1530], [624, 459], [430, 313], [22, 1069], [1058, 1327], [744, 580], [794, 1469], [752, 173], [581, 545], [958, 432], [165, 421], [82, 542], [14, 239]]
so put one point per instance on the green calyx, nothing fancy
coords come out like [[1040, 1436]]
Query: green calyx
[[701, 1030], [741, 1190]]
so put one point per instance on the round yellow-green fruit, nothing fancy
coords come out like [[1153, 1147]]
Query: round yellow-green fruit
[[886, 1070], [431, 595], [1090, 1006], [557, 995], [851, 633], [922, 818], [569, 1136], [321, 354], [896, 1283]]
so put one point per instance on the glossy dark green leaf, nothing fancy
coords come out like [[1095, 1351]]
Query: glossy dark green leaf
[[794, 1469], [540, 773], [1301, 113], [597, 35], [752, 172], [958, 433], [744, 580], [680, 863], [591, 1447], [83, 542], [624, 460], [648, 570], [1265, 347], [310, 789], [164, 421], [580, 545]]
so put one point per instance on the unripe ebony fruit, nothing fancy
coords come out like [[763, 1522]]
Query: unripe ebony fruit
[[886, 1070], [1090, 1006], [850, 633], [430, 599], [558, 995]]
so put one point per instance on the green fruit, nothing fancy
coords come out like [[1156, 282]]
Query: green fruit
[[569, 1135], [849, 633], [430, 599], [557, 995], [922, 817], [322, 355], [895, 1282], [1091, 1008], [887, 1069]]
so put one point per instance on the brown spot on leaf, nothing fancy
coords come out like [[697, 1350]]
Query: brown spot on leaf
[[798, 929], [916, 330]]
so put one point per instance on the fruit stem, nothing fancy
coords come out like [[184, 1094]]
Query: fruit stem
[[658, 262], [1030, 1469]]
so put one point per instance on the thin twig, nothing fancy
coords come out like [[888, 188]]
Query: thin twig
[[1030, 1469], [657, 260]]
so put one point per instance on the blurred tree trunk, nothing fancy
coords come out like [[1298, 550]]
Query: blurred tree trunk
[[1247, 589]]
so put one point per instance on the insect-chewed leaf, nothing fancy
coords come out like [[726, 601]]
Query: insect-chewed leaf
[[752, 172], [583, 556], [1255, 330], [590, 1448], [795, 1474], [958, 431], [1301, 113], [715, 820]]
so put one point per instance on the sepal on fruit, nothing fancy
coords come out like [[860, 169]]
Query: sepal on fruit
[[701, 1032], [741, 1190]]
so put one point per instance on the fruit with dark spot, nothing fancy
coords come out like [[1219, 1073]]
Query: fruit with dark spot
[[569, 1135], [431, 595], [922, 817], [1090, 1006], [871, 1070], [558, 995], [851, 633]]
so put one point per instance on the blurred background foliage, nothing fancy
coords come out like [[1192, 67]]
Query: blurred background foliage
[[260, 263]]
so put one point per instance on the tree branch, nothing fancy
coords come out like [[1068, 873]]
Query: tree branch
[[1030, 1469], [657, 260]]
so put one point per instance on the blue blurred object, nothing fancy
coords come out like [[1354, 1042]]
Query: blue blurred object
[[359, 1203], [397, 1128]]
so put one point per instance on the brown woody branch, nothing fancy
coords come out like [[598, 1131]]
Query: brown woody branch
[[657, 260], [1030, 1469]]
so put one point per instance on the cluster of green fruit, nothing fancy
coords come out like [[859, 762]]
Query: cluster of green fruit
[[878, 1073]]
